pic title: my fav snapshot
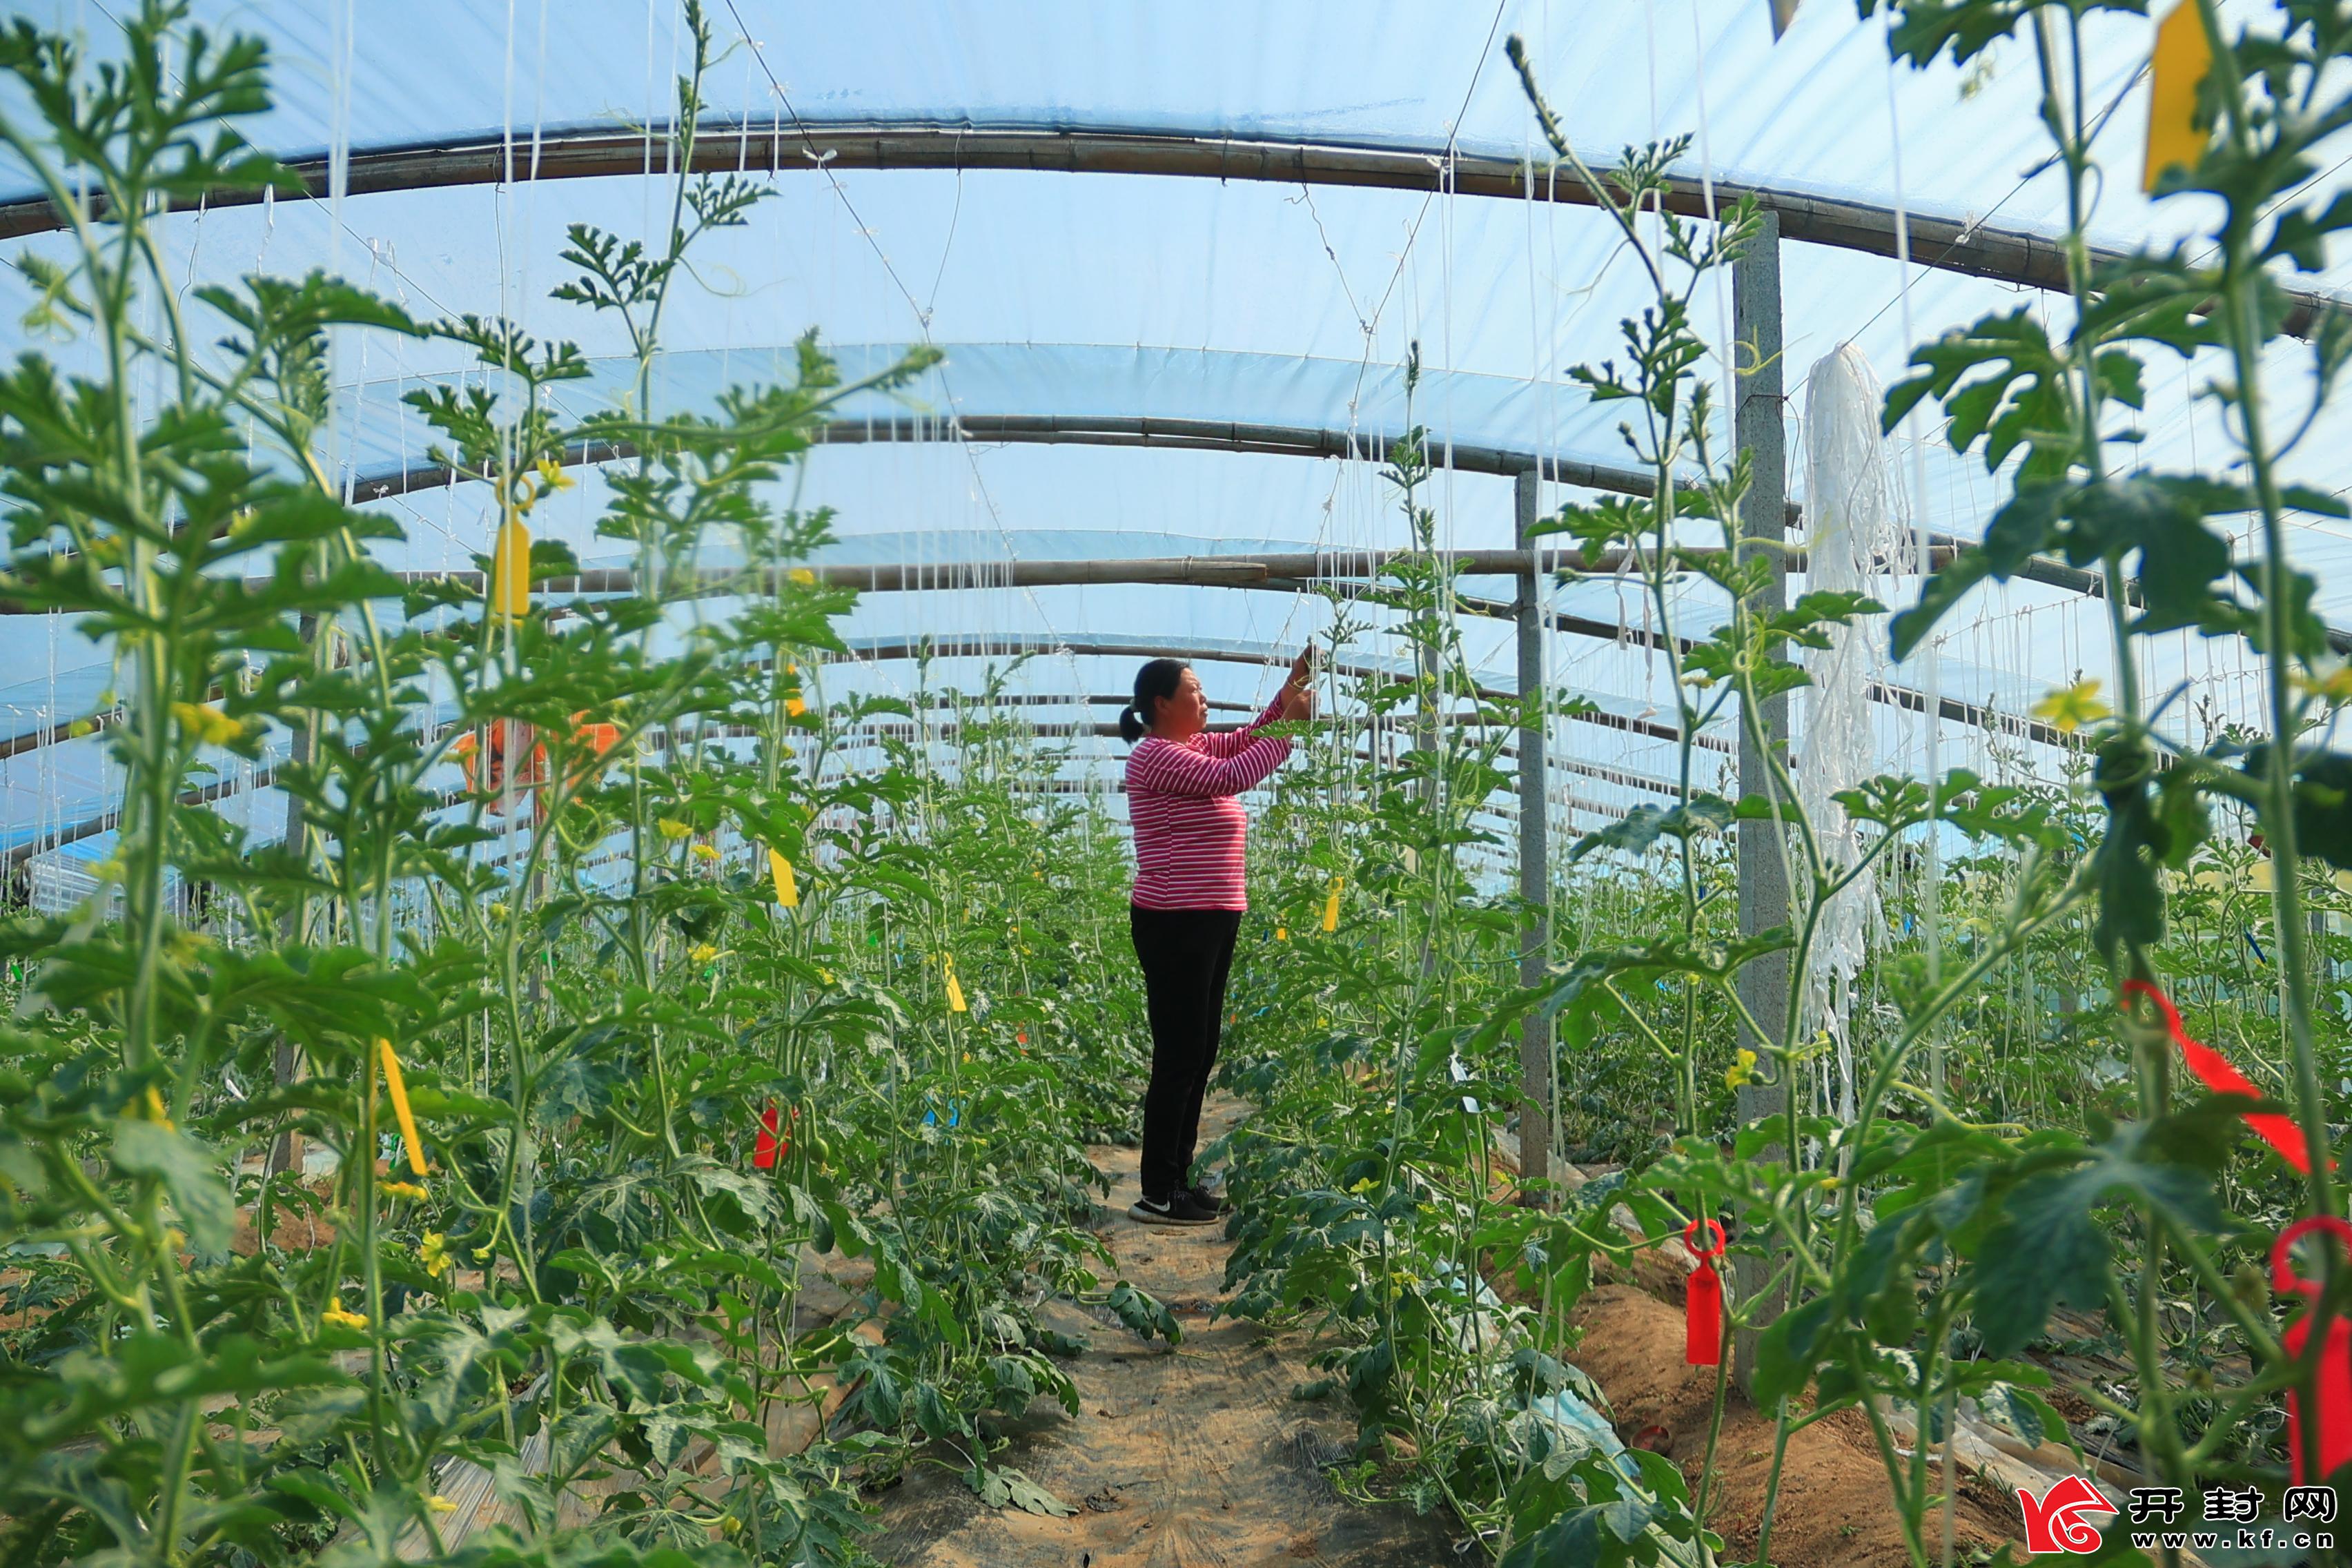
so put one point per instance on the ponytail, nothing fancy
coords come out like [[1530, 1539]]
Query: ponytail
[[1154, 682]]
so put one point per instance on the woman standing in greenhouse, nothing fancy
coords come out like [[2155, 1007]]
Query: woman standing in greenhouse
[[1183, 789]]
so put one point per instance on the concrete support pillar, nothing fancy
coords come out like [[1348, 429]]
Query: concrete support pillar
[[1535, 858], [286, 1058], [1759, 428]]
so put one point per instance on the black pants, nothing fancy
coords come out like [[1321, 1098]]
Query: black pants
[[1186, 955]]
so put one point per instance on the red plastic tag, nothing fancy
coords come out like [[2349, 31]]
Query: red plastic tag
[[2331, 1376], [773, 1141], [1703, 1298], [2214, 1070]]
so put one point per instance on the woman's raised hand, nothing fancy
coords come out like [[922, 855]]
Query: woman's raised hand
[[1302, 668], [1297, 701]]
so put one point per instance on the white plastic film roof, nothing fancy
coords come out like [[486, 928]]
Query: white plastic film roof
[[1132, 297]]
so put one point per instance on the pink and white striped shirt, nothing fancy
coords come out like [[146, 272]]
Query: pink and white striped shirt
[[1184, 799]]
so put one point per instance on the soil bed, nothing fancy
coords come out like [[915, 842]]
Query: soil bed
[[1834, 1508], [1190, 1458]]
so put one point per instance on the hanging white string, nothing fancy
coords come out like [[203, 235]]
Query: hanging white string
[[1853, 521]]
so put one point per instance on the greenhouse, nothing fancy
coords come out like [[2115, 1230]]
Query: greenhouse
[[1056, 784]]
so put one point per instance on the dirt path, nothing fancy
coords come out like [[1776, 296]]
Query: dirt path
[[1190, 1458]]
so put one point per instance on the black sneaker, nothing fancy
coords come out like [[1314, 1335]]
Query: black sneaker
[[1214, 1203], [1182, 1208]]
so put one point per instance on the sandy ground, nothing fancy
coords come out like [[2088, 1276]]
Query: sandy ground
[[1835, 1509], [1190, 1458]]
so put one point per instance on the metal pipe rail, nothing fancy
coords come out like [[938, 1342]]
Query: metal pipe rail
[[1949, 243], [1225, 436]]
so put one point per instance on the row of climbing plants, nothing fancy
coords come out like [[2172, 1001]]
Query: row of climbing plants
[[2032, 1134], [637, 1104]]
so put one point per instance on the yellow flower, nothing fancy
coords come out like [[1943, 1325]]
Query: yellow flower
[[703, 953], [336, 1315], [704, 852], [402, 1190], [2335, 688], [2074, 707], [155, 1111], [440, 1504], [498, 911], [433, 1252], [1741, 1071], [80, 728], [551, 475], [207, 723], [803, 575], [826, 976], [673, 830]]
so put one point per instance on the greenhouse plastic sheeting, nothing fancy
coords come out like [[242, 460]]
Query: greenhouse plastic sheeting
[[1137, 296], [1812, 112]]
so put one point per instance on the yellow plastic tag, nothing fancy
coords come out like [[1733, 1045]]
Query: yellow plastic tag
[[788, 890], [2181, 61], [397, 1087], [955, 992], [1331, 905], [510, 568]]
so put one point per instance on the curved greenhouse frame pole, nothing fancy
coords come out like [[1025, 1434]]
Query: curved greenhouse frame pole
[[873, 731], [777, 145], [1208, 436]]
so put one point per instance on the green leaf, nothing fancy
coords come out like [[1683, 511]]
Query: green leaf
[[1785, 1351], [1594, 1536], [2024, 1413], [1646, 825], [2048, 1245], [1000, 1486], [2323, 802], [2303, 497], [190, 1172], [2302, 233], [1143, 1313], [2137, 843], [934, 1413], [2161, 518], [2000, 381]]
